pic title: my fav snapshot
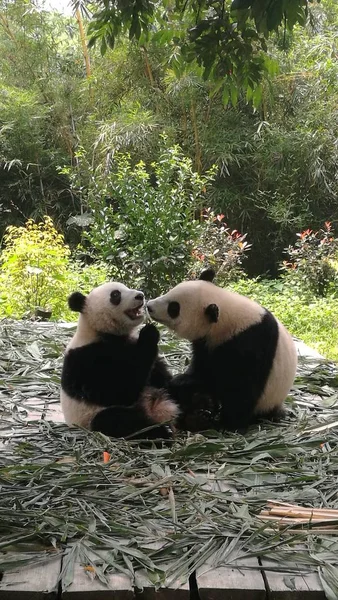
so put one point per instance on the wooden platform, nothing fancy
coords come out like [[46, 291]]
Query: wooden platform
[[244, 580], [224, 583]]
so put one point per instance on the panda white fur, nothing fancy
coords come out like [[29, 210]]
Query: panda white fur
[[243, 359], [112, 379]]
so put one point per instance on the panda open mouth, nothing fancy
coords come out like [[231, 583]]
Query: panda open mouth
[[135, 313]]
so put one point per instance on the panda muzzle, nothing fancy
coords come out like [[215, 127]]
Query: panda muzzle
[[135, 313]]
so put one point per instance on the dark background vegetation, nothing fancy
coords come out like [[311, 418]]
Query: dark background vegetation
[[146, 140], [277, 163]]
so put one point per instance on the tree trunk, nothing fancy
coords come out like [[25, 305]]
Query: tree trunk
[[83, 42]]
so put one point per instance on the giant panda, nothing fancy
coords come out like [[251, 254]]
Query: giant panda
[[112, 379], [243, 359]]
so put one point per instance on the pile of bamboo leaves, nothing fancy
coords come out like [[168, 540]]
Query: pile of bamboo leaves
[[161, 511]]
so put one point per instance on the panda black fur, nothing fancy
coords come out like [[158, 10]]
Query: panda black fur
[[112, 379], [243, 359]]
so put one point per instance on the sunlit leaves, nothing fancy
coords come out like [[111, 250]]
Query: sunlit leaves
[[268, 15], [116, 17], [148, 241], [226, 41]]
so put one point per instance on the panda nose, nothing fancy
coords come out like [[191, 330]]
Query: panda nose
[[139, 296], [149, 309]]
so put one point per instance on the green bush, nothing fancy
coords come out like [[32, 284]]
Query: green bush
[[147, 229], [37, 273], [310, 267], [219, 248]]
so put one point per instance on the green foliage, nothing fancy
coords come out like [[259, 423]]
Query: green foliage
[[147, 227], [268, 15], [225, 40], [278, 166], [37, 274], [313, 321], [310, 265], [34, 264], [38, 66], [219, 248], [277, 163], [118, 16]]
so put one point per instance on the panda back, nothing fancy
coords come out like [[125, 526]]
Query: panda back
[[282, 375]]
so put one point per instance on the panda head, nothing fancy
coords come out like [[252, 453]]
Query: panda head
[[110, 308], [190, 309]]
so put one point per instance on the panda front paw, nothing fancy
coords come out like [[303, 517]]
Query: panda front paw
[[149, 335]]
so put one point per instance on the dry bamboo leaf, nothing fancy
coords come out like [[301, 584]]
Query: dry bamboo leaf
[[163, 511]]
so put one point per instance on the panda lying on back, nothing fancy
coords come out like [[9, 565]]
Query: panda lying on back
[[243, 359], [112, 379]]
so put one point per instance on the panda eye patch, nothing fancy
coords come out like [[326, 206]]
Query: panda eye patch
[[115, 297], [173, 309]]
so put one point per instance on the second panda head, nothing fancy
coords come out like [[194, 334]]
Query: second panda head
[[190, 309], [109, 308]]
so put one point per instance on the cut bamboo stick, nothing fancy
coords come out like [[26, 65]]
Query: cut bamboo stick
[[283, 508], [302, 513], [287, 520], [329, 511], [323, 427], [284, 514], [280, 503], [314, 531]]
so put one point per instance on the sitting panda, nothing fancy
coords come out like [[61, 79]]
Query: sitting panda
[[112, 379], [243, 359]]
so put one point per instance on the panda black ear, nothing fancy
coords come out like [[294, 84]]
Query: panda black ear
[[76, 301], [207, 275], [212, 312]]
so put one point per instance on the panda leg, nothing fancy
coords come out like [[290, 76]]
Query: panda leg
[[274, 415], [198, 411], [160, 375], [125, 421]]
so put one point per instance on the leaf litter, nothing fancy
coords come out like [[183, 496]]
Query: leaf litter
[[159, 513]]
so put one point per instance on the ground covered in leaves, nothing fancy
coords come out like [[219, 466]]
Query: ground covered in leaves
[[166, 510]]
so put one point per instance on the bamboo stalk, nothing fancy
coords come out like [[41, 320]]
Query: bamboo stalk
[[286, 513], [275, 504], [279, 503], [314, 531], [323, 427], [303, 513], [287, 520], [83, 43], [5, 24], [149, 72], [198, 152]]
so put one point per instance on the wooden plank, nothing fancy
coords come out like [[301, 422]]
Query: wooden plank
[[231, 583], [86, 587], [175, 591], [31, 582], [305, 351], [287, 586]]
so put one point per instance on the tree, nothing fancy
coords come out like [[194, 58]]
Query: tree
[[41, 70], [227, 39]]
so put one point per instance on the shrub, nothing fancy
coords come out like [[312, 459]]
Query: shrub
[[37, 273], [147, 229], [220, 248], [310, 266]]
